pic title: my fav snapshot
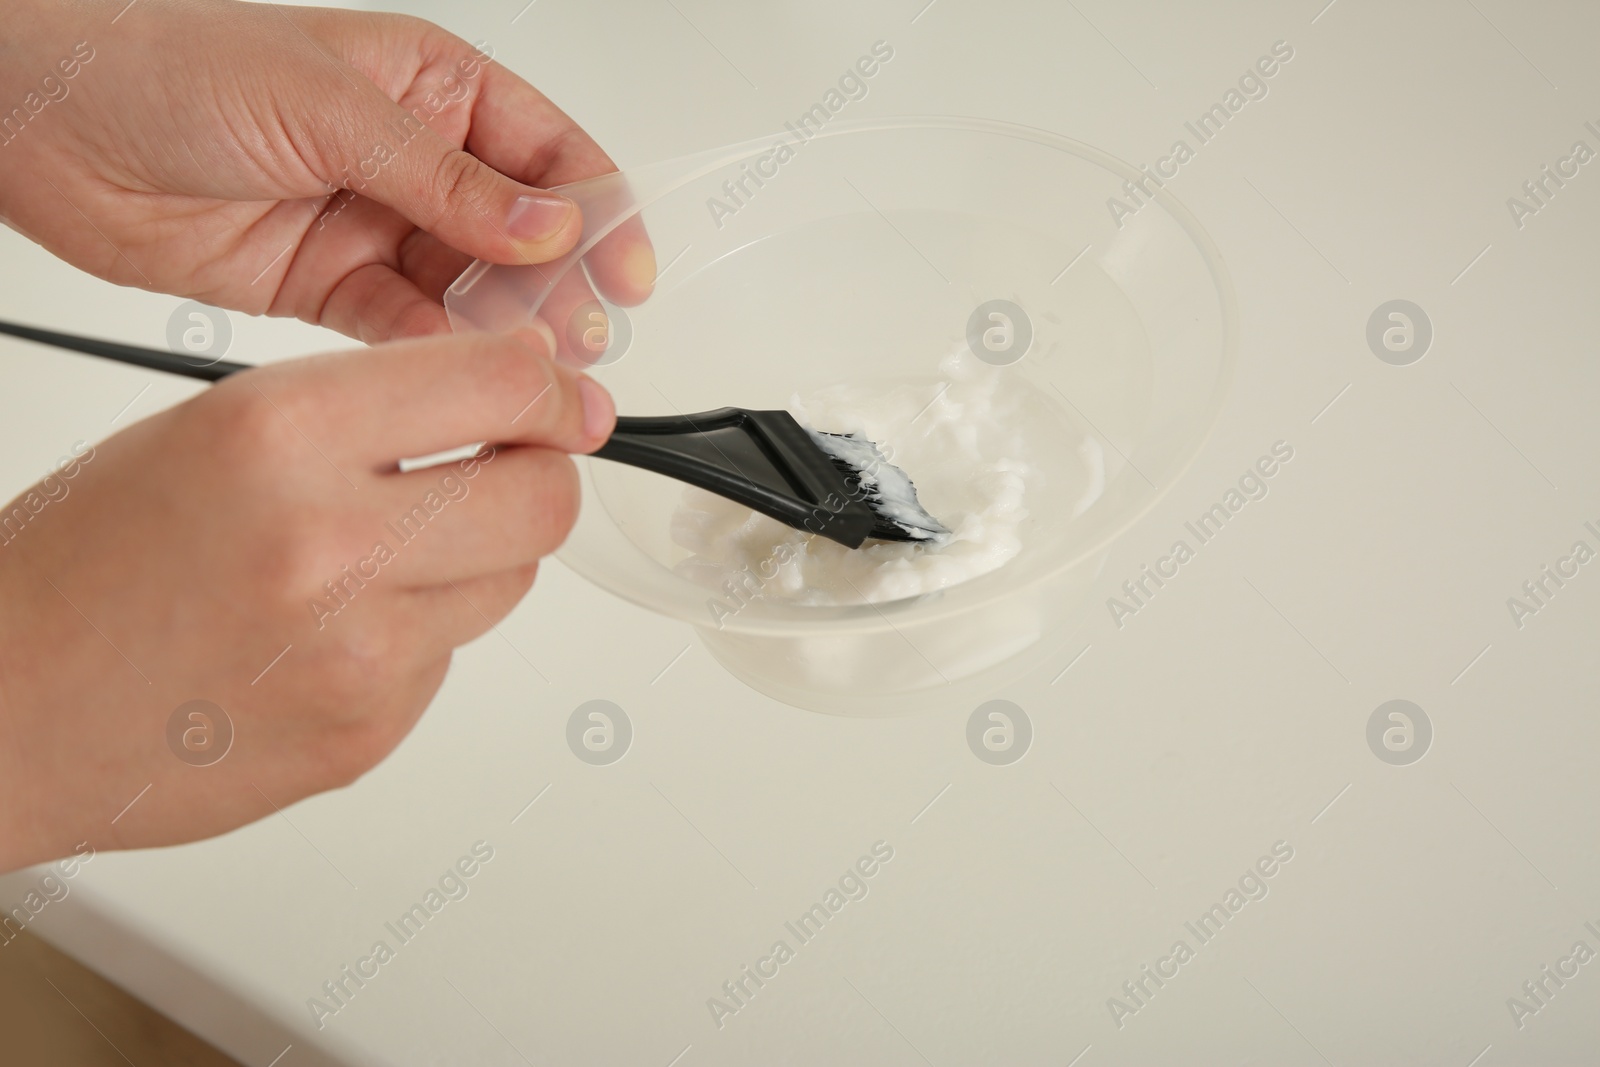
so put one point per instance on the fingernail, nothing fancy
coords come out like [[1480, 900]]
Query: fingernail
[[639, 266], [599, 415], [536, 333], [536, 218], [546, 334]]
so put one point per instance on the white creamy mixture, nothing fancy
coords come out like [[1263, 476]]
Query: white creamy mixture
[[960, 440]]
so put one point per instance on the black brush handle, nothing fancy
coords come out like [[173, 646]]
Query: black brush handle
[[764, 460], [149, 358]]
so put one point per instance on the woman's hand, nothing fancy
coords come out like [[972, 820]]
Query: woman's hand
[[256, 548], [336, 166]]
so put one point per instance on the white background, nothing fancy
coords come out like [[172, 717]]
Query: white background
[[1223, 718]]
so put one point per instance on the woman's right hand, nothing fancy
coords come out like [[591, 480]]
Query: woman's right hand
[[256, 548]]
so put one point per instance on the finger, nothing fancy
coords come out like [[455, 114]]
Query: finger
[[430, 264], [570, 310], [512, 136], [450, 192], [363, 270], [515, 128], [518, 131], [515, 507], [417, 397], [452, 613], [375, 304], [623, 263], [348, 750]]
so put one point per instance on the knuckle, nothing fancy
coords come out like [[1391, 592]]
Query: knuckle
[[291, 568], [418, 319], [249, 429], [513, 372], [520, 579], [456, 181], [556, 502], [362, 665], [411, 26], [352, 750], [316, 560], [363, 737]]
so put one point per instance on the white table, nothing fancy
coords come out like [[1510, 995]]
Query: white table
[[1229, 714]]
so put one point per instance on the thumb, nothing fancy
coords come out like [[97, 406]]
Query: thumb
[[457, 197]]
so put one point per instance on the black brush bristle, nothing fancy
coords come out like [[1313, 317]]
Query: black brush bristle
[[916, 527]]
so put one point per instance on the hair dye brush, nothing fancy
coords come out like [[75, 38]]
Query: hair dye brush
[[840, 486]]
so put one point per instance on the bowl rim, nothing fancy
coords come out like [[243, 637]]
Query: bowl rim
[[658, 180]]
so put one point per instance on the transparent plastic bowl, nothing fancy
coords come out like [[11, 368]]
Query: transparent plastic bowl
[[859, 254]]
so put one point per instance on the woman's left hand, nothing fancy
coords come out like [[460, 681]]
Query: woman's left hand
[[340, 167]]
